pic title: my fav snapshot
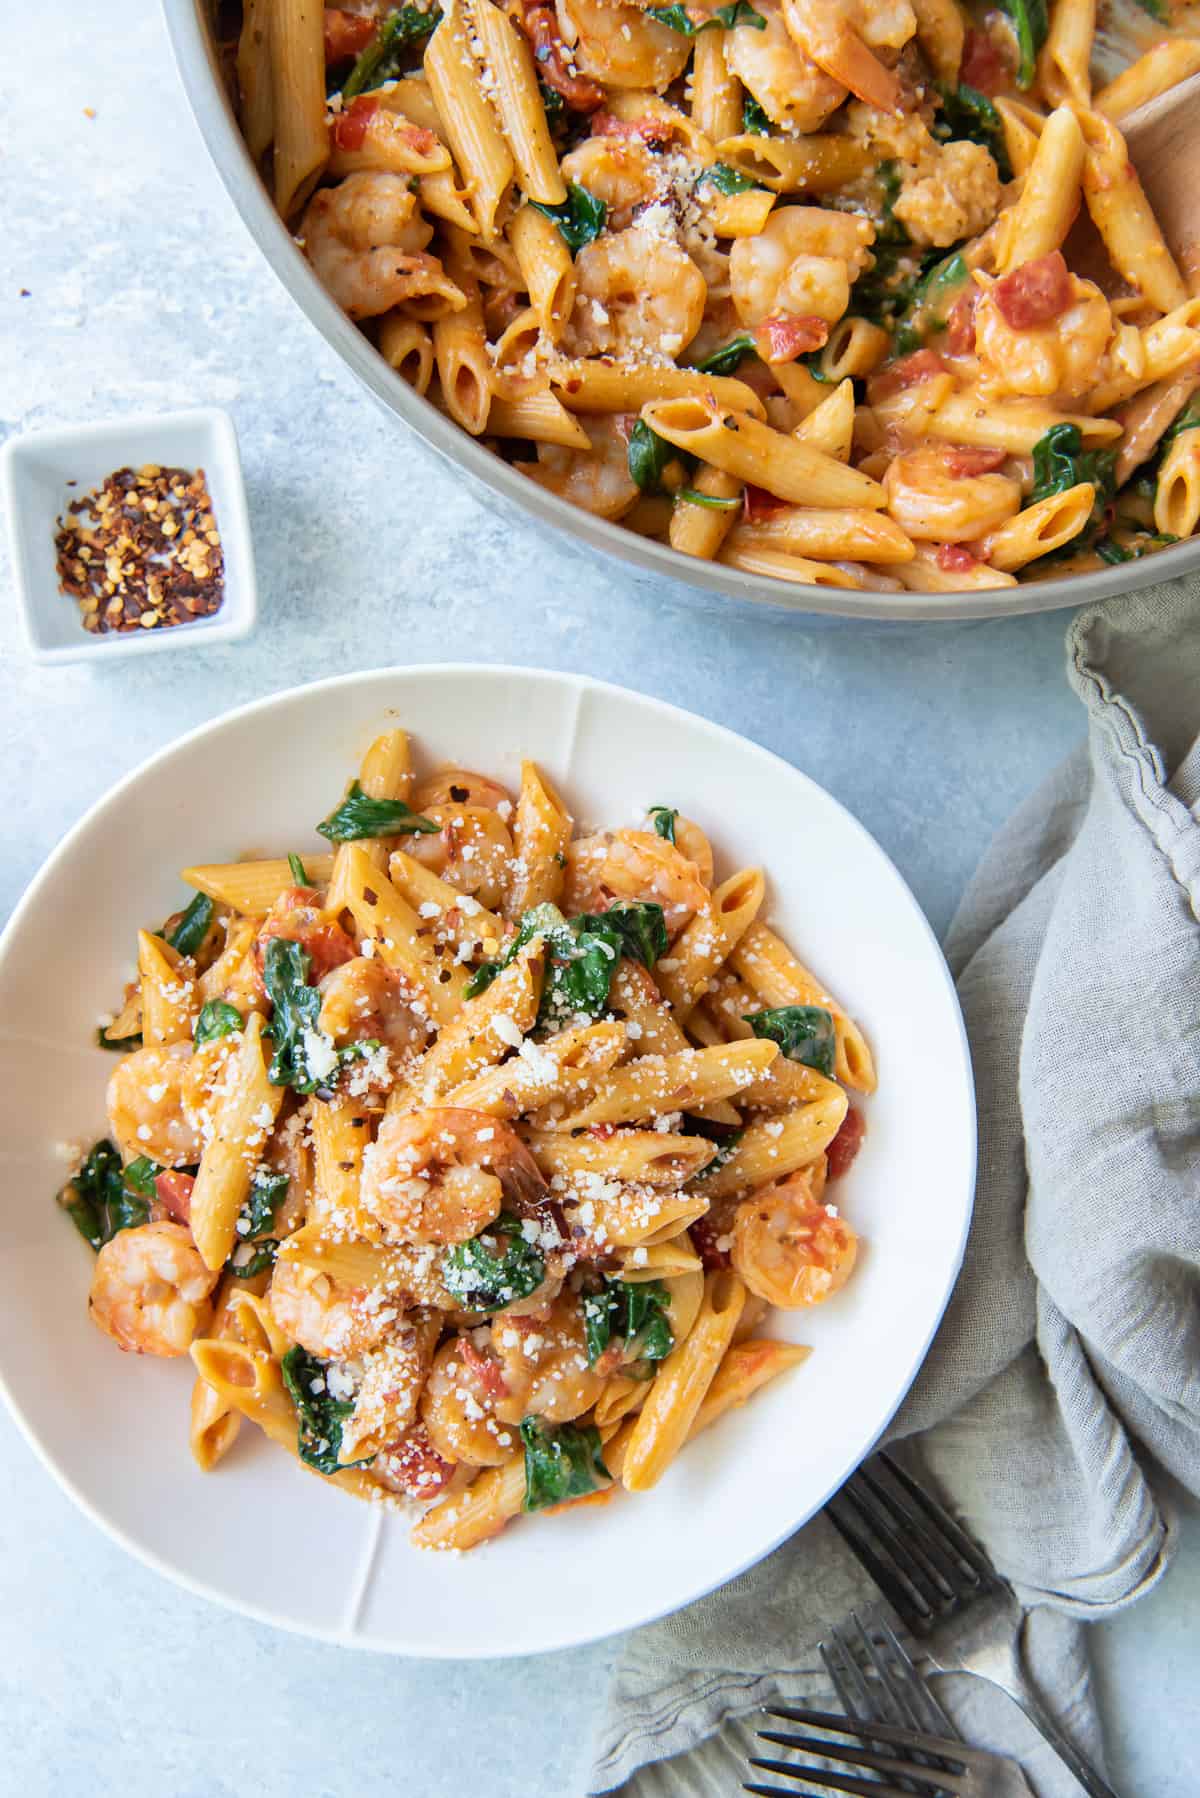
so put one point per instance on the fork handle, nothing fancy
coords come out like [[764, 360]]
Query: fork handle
[[1005, 1670]]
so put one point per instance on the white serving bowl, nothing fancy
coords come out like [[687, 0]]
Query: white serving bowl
[[260, 1535]]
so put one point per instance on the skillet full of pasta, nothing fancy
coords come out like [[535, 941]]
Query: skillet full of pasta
[[468, 1159], [856, 293]]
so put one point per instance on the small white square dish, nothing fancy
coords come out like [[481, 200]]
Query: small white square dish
[[42, 472]]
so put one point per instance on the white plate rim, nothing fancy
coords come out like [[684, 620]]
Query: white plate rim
[[341, 1637]]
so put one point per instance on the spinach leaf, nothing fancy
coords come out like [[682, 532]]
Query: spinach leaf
[[1059, 462], [930, 303], [1157, 10], [580, 217], [728, 180], [299, 874], [888, 290], [360, 816], [319, 1415], [694, 497], [494, 1269], [966, 114], [755, 122], [266, 1195], [552, 101], [725, 361], [217, 1018], [664, 817], [640, 926], [561, 1463], [805, 1033], [540, 920], [384, 58], [1187, 420], [648, 457], [296, 1009], [122, 1044], [192, 928], [726, 18], [636, 1311], [101, 1198], [1031, 22], [1144, 544]]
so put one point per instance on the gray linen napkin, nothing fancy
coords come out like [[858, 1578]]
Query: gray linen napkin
[[1069, 1358]]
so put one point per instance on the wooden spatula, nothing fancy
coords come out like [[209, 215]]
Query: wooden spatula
[[1164, 146]]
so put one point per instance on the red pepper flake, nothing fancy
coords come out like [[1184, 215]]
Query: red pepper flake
[[705, 1233], [350, 126], [960, 326], [955, 558], [1036, 293], [142, 550], [484, 1369], [849, 1139]]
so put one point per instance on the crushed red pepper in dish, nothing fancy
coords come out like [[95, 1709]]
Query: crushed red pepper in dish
[[142, 550]]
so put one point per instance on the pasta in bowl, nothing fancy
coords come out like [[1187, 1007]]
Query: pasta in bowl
[[494, 1241], [791, 289]]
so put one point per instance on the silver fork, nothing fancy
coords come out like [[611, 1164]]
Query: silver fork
[[921, 1762], [945, 1591]]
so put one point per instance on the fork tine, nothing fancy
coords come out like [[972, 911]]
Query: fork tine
[[837, 1782], [965, 1546], [937, 1777], [849, 1705], [776, 1792], [898, 1736], [940, 1566], [935, 1717], [905, 1598], [857, 1698], [901, 1699]]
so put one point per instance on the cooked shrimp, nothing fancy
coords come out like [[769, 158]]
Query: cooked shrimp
[[366, 239], [636, 294], [596, 480], [932, 502], [457, 1407], [544, 1365], [632, 864], [461, 786], [803, 261], [471, 851], [364, 998], [325, 1317], [617, 44], [789, 1248], [1060, 358], [150, 1290], [842, 36], [444, 1174], [146, 1112], [622, 171], [787, 84]]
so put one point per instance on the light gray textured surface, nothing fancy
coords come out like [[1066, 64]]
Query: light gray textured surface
[[143, 291]]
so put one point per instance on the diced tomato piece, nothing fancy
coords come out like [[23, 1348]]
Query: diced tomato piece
[[555, 63], [484, 1368], [350, 127], [785, 335], [295, 917], [960, 326], [983, 65], [602, 1132], [963, 459], [1036, 293], [412, 1465], [909, 371], [175, 1193], [347, 34], [849, 1139], [758, 504], [705, 1233], [655, 133], [624, 423]]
